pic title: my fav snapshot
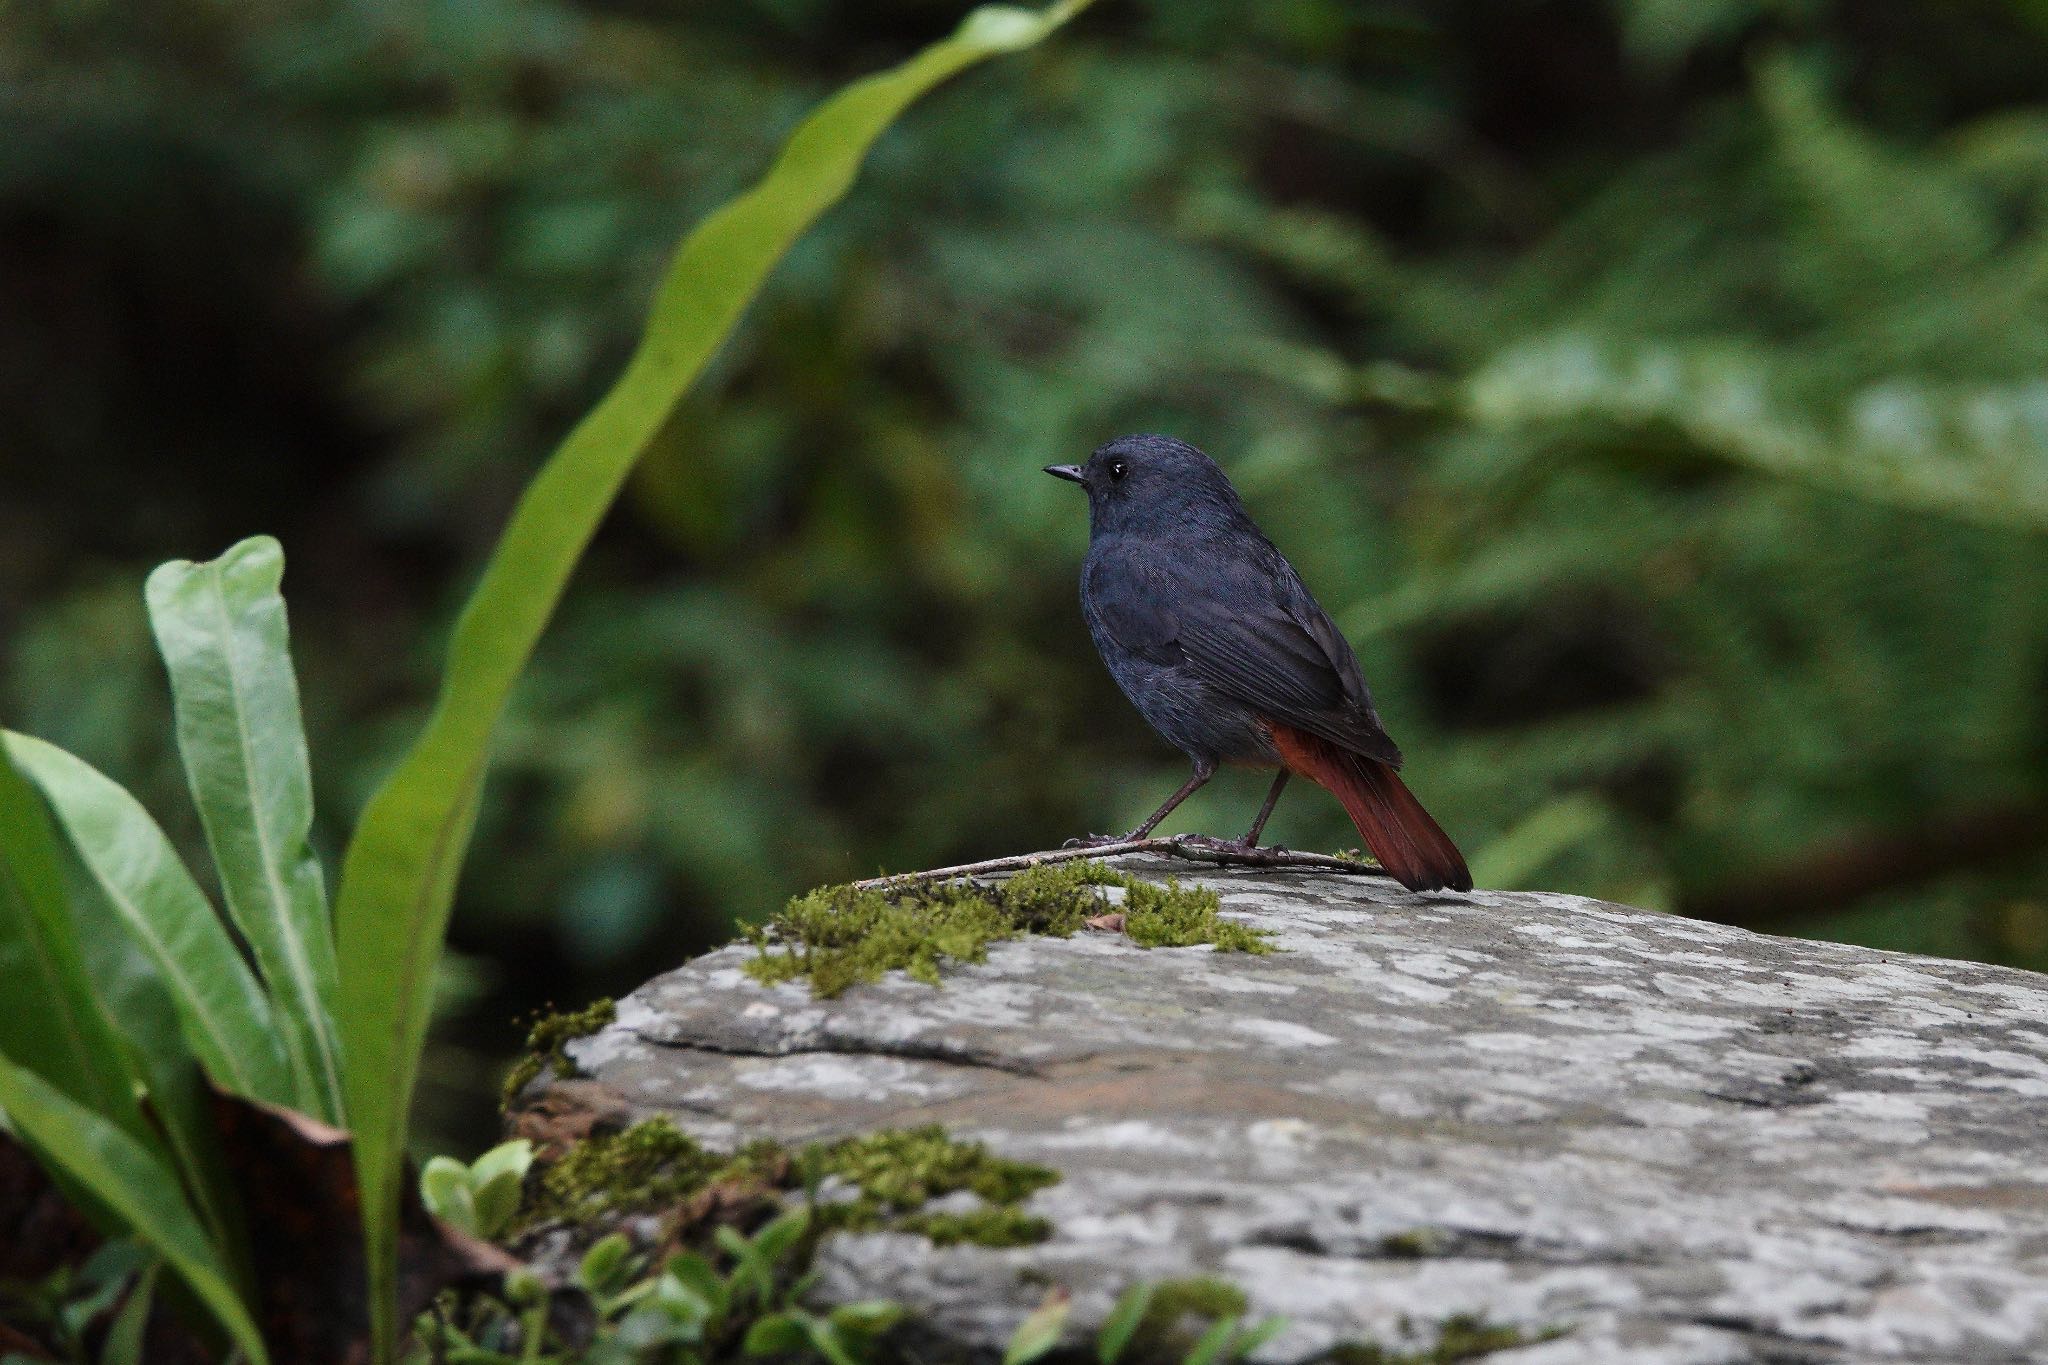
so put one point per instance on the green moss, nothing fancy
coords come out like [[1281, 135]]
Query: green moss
[[1200, 1296], [838, 936], [894, 1173], [1459, 1338], [1413, 1244], [903, 1169], [996, 1227], [647, 1166], [1055, 898], [1171, 916], [545, 1040], [841, 937]]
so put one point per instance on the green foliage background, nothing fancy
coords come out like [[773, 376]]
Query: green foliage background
[[1654, 391]]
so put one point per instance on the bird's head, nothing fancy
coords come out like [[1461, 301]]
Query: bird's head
[[1147, 483]]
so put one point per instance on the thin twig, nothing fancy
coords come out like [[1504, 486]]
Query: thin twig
[[1179, 846]]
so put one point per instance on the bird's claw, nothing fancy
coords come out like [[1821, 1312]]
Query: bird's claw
[[1093, 840]]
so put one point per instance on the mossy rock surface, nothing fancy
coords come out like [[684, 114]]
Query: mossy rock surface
[[843, 936], [883, 1181], [1423, 1128]]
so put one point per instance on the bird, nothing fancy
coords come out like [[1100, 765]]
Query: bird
[[1217, 642]]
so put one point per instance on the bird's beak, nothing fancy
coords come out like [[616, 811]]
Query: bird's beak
[[1070, 472]]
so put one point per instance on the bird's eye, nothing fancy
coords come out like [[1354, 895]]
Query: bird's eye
[[1117, 469]]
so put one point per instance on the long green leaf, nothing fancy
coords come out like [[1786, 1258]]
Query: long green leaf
[[399, 876], [221, 629], [127, 987], [132, 1183], [52, 1023], [222, 1011], [124, 1342], [122, 1008]]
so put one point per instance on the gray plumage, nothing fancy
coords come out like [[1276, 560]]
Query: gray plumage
[[1202, 622], [1215, 639]]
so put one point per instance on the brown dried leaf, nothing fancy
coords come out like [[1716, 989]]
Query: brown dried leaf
[[299, 1192], [40, 1232]]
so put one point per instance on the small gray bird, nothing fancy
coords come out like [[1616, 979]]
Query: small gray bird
[[1212, 635]]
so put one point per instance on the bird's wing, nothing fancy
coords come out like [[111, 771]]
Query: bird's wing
[[1251, 629]]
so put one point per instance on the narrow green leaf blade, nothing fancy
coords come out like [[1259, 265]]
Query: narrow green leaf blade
[[134, 1185], [53, 1023], [222, 1010], [222, 631], [1123, 1322], [1039, 1333], [774, 1335], [1256, 1336], [123, 1009], [825, 1340], [162, 1067], [399, 876], [1210, 1346], [123, 1345]]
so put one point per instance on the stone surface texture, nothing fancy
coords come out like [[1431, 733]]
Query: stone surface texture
[[1675, 1141]]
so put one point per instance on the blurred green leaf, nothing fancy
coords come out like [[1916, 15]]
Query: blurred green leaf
[[496, 1181], [869, 1318], [222, 1010], [124, 1341], [1215, 1343], [1979, 452], [701, 1279], [1255, 1336], [604, 1267], [1123, 1322], [55, 1025], [221, 628], [135, 1185], [776, 1334], [1040, 1332], [444, 1189]]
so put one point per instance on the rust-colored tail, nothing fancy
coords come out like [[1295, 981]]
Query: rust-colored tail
[[1400, 833]]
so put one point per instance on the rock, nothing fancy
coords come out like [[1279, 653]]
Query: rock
[[1670, 1141]]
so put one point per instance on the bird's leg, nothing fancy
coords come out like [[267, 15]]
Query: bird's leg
[[1251, 838], [1203, 772]]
